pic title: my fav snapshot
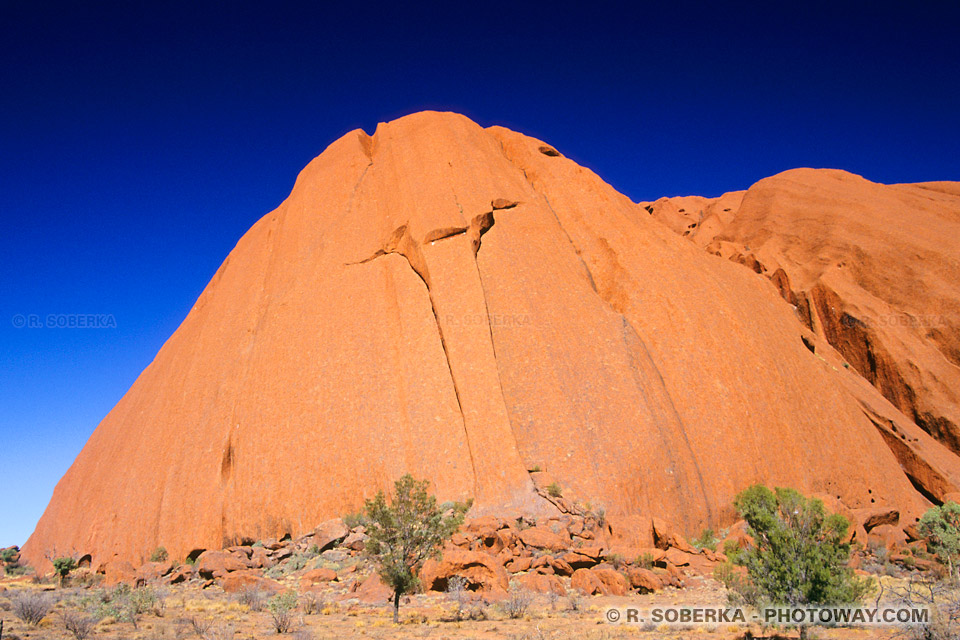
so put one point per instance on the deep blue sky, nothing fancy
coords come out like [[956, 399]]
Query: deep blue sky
[[137, 144]]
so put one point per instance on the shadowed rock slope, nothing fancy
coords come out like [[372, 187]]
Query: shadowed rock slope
[[872, 268], [467, 305]]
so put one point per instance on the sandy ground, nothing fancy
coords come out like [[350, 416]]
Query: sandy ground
[[422, 616]]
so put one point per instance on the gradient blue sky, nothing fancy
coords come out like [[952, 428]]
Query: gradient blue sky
[[138, 143]]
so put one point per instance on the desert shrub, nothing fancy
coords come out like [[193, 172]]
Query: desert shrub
[[313, 551], [575, 600], [554, 490], [517, 602], [159, 555], [407, 531], [80, 625], [457, 590], [31, 606], [7, 554], [740, 590], [707, 540], [252, 597], [311, 603], [281, 608], [200, 626], [354, 520], [940, 597], [731, 549], [644, 560], [941, 528], [128, 605], [616, 560]]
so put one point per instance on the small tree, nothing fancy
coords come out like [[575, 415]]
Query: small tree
[[407, 531], [799, 556], [941, 527], [62, 567]]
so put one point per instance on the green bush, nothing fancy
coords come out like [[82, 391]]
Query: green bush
[[707, 540], [941, 528], [354, 520], [799, 556], [554, 490], [159, 555]]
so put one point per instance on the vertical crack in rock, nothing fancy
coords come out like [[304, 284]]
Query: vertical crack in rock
[[400, 243], [480, 225], [627, 326]]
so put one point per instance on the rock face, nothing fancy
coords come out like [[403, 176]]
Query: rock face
[[871, 269], [466, 305]]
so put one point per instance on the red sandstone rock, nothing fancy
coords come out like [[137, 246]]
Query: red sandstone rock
[[152, 571], [875, 516], [317, 576], [644, 580], [870, 268], [386, 290], [887, 536], [541, 538], [246, 579], [214, 564], [371, 590], [541, 583], [328, 533], [119, 571], [599, 581], [482, 571], [519, 564]]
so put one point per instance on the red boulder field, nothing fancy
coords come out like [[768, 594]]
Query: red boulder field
[[469, 306]]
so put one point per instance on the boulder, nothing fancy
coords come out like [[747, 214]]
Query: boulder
[[237, 581], [542, 538], [482, 571], [260, 559], [356, 540], [644, 580], [213, 564], [888, 536], [664, 537], [180, 574], [317, 576], [519, 564], [371, 590], [599, 581], [678, 558], [152, 571], [541, 583]]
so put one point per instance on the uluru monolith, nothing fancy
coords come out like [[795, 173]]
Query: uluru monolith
[[468, 305]]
